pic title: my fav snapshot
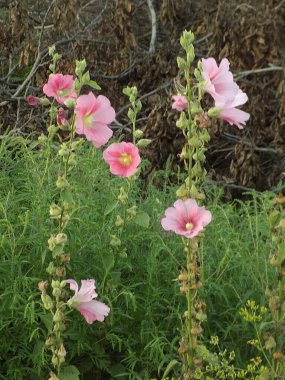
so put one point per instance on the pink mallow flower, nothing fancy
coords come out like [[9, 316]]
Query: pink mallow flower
[[186, 218], [60, 87], [92, 118], [123, 158], [219, 82], [179, 102], [227, 110], [83, 301], [33, 100]]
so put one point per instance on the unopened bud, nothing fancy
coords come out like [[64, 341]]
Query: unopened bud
[[143, 143], [61, 238], [47, 301], [62, 182], [132, 211], [70, 103], [55, 211], [138, 133], [115, 241], [119, 221]]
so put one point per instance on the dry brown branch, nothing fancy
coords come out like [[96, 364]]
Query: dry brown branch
[[153, 26]]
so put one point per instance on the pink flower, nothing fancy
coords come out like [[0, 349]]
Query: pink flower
[[61, 116], [219, 81], [33, 100], [186, 218], [228, 112], [83, 301], [92, 117], [60, 87], [123, 158], [179, 102]]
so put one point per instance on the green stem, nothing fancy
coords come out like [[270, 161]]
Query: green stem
[[189, 326]]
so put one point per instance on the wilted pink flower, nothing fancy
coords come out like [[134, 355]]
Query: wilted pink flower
[[123, 158], [61, 116], [83, 301], [179, 102], [219, 81], [92, 117], [60, 87], [186, 218], [228, 112], [33, 100]]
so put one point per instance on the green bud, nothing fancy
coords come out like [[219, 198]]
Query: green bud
[[62, 284], [55, 211], [214, 112], [143, 143], [195, 108], [193, 191], [195, 142], [184, 153], [57, 316], [119, 221], [64, 150], [131, 114], [115, 241], [56, 292], [182, 192], [123, 196], [80, 67], [51, 268], [51, 50], [55, 360], [181, 63], [62, 182], [132, 211], [182, 122], [47, 301], [52, 129], [190, 54], [51, 243], [44, 102], [42, 138], [138, 133]]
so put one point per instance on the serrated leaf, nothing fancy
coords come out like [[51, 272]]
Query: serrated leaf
[[69, 373], [110, 208], [142, 219]]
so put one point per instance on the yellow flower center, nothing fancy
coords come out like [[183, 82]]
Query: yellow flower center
[[125, 159], [189, 226], [88, 120]]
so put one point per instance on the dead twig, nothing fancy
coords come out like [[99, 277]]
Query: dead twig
[[153, 26], [243, 74]]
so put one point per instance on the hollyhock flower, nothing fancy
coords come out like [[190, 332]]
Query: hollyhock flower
[[33, 100], [179, 102], [83, 301], [123, 158], [92, 117], [60, 87], [186, 218], [219, 80], [61, 116], [228, 111]]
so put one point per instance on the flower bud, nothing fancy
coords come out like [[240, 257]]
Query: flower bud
[[143, 143], [50, 269], [80, 67], [47, 301], [53, 376], [119, 221], [61, 353], [52, 129], [32, 100], [56, 292], [57, 316], [62, 182], [123, 196], [55, 211], [61, 238], [60, 271], [138, 133], [132, 211], [214, 112], [182, 192], [44, 101], [51, 243], [115, 241], [42, 138]]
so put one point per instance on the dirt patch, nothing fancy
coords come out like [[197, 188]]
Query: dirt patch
[[114, 37]]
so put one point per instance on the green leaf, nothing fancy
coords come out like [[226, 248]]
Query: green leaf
[[142, 219], [169, 367], [110, 208], [94, 85], [69, 373], [58, 250]]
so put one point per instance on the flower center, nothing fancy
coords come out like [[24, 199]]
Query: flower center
[[189, 226], [125, 159], [63, 93], [88, 120]]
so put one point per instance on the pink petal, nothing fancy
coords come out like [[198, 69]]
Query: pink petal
[[94, 310], [73, 285]]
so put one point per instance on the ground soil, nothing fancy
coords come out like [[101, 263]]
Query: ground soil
[[114, 37]]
